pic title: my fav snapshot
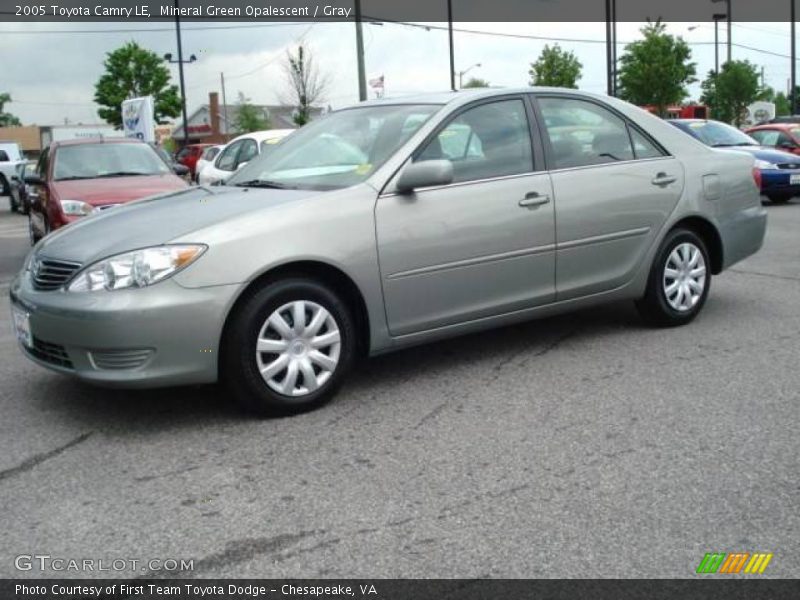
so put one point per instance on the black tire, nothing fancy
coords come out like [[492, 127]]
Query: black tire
[[238, 364], [31, 235], [655, 307], [779, 199], [5, 189]]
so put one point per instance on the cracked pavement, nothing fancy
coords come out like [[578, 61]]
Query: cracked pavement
[[583, 445]]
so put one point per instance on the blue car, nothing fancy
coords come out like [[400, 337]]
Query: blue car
[[780, 171]]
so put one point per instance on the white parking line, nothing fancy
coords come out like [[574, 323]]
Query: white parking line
[[14, 230]]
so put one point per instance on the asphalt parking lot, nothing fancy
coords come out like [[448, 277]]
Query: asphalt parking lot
[[581, 446]]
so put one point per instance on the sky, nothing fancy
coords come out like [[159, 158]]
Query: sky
[[50, 68]]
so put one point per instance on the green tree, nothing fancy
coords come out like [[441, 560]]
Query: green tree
[[249, 117], [556, 67], [476, 82], [131, 72], [7, 119], [307, 86], [656, 70], [783, 106], [732, 91]]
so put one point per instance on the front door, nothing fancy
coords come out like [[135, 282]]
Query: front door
[[481, 246]]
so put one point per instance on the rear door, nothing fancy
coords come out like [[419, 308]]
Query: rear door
[[614, 188]]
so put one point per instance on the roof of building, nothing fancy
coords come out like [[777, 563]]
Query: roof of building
[[280, 116]]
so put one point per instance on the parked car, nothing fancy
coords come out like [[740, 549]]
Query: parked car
[[77, 178], [19, 190], [189, 155], [179, 169], [779, 172], [10, 158], [238, 152], [371, 231], [781, 136], [208, 156]]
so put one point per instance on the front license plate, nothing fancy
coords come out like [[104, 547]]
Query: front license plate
[[22, 326], [794, 179]]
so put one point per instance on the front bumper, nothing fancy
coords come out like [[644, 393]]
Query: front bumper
[[161, 335]]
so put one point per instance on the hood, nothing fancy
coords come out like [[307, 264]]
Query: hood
[[155, 221], [117, 190], [766, 153]]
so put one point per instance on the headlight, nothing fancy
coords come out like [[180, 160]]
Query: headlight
[[763, 164], [76, 208], [139, 268]]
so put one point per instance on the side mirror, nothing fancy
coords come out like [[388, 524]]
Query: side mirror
[[34, 180], [180, 170], [241, 164], [425, 173]]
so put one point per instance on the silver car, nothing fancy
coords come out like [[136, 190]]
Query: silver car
[[388, 224]]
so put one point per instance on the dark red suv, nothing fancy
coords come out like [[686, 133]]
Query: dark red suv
[[76, 178]]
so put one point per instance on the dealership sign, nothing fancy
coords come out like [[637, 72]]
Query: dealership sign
[[138, 119]]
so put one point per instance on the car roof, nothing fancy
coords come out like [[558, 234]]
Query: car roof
[[464, 96], [267, 134], [96, 140], [775, 126]]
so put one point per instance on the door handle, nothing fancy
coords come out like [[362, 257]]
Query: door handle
[[534, 199], [664, 179]]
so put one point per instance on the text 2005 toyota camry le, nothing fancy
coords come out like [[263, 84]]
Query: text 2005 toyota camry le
[[388, 224]]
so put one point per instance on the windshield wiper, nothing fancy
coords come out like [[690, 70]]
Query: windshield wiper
[[124, 174], [265, 183], [732, 145], [73, 177]]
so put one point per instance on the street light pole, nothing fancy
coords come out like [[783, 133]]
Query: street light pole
[[464, 72], [452, 54], [730, 22], [717, 18]]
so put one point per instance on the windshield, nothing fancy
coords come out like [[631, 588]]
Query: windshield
[[718, 135], [337, 151], [88, 161]]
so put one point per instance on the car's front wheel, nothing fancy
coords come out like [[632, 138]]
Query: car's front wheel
[[679, 281], [287, 347]]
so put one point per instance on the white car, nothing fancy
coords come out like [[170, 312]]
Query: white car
[[206, 158], [239, 152], [10, 158]]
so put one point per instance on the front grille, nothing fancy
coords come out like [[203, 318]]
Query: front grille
[[788, 165], [120, 359], [52, 274], [50, 353]]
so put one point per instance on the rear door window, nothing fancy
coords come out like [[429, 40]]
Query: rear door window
[[583, 133]]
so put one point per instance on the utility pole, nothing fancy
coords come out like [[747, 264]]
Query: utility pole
[[180, 72], [452, 54], [362, 76], [609, 54], [615, 80], [793, 93], [224, 102]]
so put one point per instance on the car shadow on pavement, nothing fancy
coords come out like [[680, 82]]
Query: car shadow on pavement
[[116, 411]]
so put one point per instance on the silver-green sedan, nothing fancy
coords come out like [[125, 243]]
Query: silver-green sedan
[[388, 224]]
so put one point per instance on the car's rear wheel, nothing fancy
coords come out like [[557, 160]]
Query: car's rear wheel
[[679, 282], [5, 188], [288, 347]]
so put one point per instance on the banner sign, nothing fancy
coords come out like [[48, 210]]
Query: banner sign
[[138, 119]]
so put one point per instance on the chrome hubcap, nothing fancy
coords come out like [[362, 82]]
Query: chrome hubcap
[[684, 277], [298, 348]]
